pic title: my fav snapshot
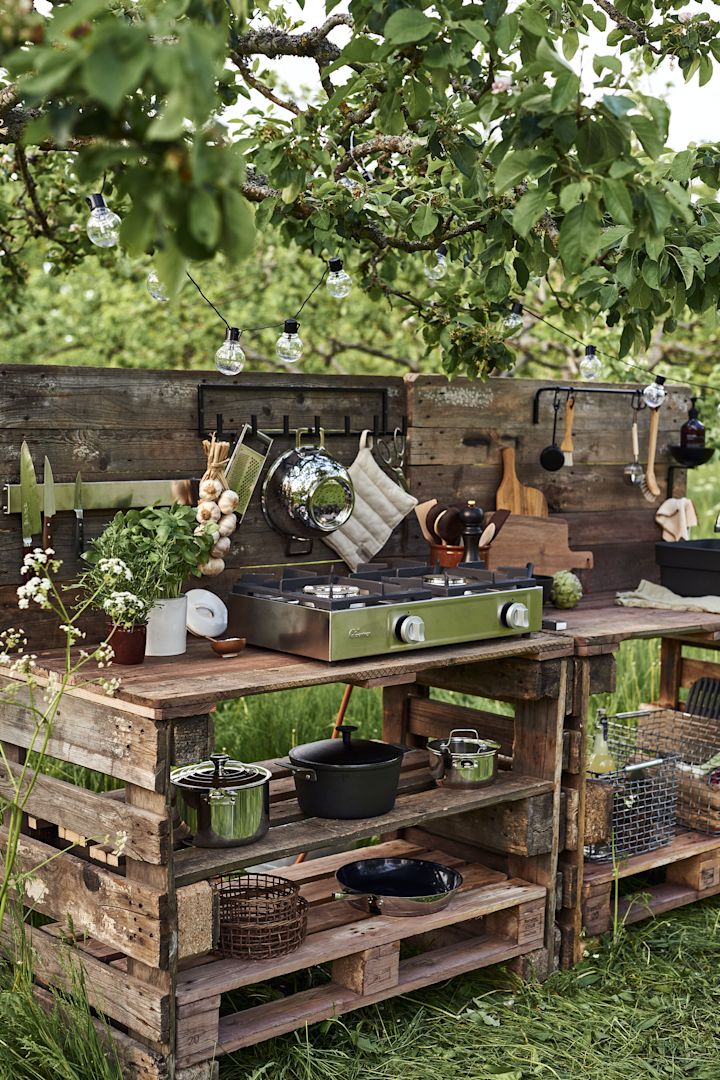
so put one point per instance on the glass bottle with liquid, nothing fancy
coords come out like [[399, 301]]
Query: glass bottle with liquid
[[692, 433], [601, 760]]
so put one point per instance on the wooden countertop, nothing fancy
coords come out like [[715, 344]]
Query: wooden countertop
[[598, 624], [194, 683]]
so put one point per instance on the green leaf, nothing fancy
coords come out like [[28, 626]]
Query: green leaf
[[659, 207], [237, 240], [390, 119], [464, 155], [506, 31], [533, 21], [114, 68], [418, 98], [171, 121], [512, 168], [689, 261], [706, 70], [647, 132], [617, 200], [136, 229], [170, 267], [571, 194], [409, 25], [529, 209], [564, 91], [682, 165], [570, 43], [580, 237], [362, 50], [424, 221], [497, 283], [204, 219], [618, 105]]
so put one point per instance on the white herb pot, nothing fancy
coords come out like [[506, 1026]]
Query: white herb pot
[[167, 628]]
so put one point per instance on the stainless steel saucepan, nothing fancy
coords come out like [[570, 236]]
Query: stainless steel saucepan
[[223, 803], [463, 759]]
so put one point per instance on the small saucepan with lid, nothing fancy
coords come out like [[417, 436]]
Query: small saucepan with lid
[[223, 803], [463, 759], [398, 887]]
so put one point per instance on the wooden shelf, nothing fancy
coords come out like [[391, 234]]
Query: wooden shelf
[[491, 919], [419, 800], [683, 846]]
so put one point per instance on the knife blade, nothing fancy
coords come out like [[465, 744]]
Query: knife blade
[[48, 503], [79, 519], [30, 499]]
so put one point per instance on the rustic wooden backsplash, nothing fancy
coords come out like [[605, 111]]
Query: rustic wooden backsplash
[[132, 424]]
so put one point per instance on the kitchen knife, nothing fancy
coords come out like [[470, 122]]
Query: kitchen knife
[[79, 520], [30, 499], [48, 504]]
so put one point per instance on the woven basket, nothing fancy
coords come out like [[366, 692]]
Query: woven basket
[[260, 916]]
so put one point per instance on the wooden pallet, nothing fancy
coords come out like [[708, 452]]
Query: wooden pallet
[[691, 872], [492, 919]]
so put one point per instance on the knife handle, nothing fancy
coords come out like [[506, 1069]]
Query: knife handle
[[46, 533], [79, 535]]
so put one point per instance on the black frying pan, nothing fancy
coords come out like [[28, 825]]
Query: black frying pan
[[397, 887]]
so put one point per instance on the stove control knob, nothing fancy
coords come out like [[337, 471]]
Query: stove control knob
[[410, 629], [515, 616]]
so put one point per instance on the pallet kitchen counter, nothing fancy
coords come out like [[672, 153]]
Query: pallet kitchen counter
[[598, 626], [141, 922]]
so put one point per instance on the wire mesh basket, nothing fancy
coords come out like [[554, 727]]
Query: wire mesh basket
[[631, 810], [695, 741], [260, 916]]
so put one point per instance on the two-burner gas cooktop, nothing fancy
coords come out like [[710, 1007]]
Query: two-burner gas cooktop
[[382, 608]]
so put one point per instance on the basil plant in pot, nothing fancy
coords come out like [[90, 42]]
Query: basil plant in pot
[[165, 546]]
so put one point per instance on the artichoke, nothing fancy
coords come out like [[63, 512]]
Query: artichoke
[[566, 589]]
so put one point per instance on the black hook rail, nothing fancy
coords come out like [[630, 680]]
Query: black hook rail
[[380, 426], [636, 395]]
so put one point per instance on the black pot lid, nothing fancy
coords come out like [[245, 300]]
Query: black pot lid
[[345, 751], [218, 774]]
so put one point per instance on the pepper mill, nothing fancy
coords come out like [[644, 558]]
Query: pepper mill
[[471, 517]]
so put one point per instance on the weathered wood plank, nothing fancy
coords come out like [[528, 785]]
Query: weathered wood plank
[[115, 994], [140, 834], [125, 914], [100, 736]]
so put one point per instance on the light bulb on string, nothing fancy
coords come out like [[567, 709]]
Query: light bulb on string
[[103, 226], [155, 287], [230, 358], [514, 320], [289, 347], [436, 271], [339, 282], [590, 365], [655, 393]]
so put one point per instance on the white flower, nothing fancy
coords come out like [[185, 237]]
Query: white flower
[[36, 589], [501, 86], [685, 16], [109, 686], [53, 688], [120, 843], [115, 568]]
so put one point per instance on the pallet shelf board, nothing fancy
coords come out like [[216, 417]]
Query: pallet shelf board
[[491, 919], [683, 846], [197, 680], [310, 834]]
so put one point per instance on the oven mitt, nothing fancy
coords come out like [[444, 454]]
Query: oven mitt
[[380, 505]]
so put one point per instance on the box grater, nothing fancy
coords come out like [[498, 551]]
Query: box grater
[[244, 468]]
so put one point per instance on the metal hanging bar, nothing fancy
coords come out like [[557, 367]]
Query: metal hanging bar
[[636, 394]]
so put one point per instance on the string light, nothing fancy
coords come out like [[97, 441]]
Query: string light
[[655, 393], [514, 320], [103, 225], [289, 346], [155, 287], [230, 358], [339, 282], [437, 270], [590, 365]]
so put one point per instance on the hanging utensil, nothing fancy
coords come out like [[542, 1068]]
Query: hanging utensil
[[30, 499], [633, 472], [391, 453], [516, 497], [552, 457], [48, 504], [648, 484], [244, 468], [567, 443], [79, 516]]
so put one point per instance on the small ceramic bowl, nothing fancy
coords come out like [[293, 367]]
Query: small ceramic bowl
[[228, 647]]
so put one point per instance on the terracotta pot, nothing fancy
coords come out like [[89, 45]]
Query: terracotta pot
[[446, 555], [128, 645]]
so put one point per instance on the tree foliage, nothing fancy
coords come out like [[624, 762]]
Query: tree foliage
[[464, 124]]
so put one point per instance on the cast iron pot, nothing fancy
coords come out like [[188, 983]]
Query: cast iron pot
[[397, 887], [345, 778], [223, 803], [463, 759], [306, 493]]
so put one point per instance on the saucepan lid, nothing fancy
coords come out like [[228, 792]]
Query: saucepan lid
[[220, 773]]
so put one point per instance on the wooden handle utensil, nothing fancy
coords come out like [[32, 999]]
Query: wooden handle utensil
[[567, 442], [650, 487]]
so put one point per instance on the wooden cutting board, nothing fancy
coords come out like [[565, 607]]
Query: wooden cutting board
[[541, 541], [514, 496]]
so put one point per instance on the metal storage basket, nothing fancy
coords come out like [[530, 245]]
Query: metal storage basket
[[631, 810], [260, 916], [695, 741]]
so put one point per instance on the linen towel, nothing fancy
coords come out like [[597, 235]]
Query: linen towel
[[380, 505], [649, 595], [676, 517]]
